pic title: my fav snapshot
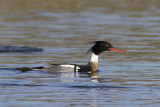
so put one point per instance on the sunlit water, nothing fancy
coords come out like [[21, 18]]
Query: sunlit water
[[63, 31]]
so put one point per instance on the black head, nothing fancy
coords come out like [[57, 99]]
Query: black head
[[100, 46]]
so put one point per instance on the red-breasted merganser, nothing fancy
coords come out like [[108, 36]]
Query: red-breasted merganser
[[92, 66]]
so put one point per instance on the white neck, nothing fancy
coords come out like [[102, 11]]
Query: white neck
[[94, 58]]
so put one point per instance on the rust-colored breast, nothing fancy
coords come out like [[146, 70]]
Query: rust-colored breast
[[93, 66]]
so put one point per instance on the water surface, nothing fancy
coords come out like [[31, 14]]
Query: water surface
[[62, 28]]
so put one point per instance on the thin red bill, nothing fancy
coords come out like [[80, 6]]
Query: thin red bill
[[115, 49]]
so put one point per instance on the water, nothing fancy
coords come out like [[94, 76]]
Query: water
[[62, 28]]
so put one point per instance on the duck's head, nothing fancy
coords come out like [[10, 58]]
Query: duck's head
[[100, 46]]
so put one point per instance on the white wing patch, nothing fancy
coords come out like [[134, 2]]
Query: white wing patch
[[77, 67], [36, 69], [71, 66]]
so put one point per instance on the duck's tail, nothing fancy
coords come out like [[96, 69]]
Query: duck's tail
[[25, 69]]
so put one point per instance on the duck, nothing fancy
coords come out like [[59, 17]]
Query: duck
[[91, 67]]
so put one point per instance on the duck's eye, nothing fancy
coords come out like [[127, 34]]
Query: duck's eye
[[107, 45]]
